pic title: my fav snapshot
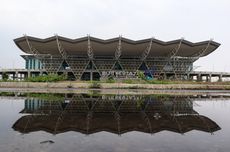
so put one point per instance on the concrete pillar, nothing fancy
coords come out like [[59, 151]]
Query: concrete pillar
[[187, 77], [165, 76], [206, 78], [209, 77], [16, 75], [28, 74], [220, 78], [13, 76], [91, 76], [191, 77], [199, 78]]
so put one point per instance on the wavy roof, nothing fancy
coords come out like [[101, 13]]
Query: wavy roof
[[129, 48], [106, 122]]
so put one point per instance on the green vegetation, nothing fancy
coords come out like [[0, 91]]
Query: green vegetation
[[110, 80], [5, 77], [8, 80], [7, 94], [129, 81], [47, 78], [134, 81], [47, 96], [141, 75], [159, 82], [43, 96], [95, 85], [140, 104]]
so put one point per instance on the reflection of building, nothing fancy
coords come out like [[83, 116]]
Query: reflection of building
[[90, 58], [91, 114]]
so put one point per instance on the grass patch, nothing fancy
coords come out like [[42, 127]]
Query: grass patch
[[159, 82]]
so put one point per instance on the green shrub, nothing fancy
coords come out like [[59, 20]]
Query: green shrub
[[95, 85], [5, 76], [110, 80], [47, 78], [7, 94], [141, 75]]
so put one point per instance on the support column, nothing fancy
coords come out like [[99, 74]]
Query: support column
[[16, 75], [209, 77], [188, 77], [28, 74], [91, 76], [220, 78], [13, 76], [165, 76], [199, 77], [191, 77]]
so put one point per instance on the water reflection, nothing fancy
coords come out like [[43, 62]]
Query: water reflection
[[116, 114]]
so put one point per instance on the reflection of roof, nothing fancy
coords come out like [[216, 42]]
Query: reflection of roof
[[91, 115], [107, 47], [88, 123]]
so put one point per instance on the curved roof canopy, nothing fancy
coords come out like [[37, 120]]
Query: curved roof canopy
[[106, 122], [129, 48]]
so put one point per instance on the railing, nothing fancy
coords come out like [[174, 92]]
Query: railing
[[209, 72]]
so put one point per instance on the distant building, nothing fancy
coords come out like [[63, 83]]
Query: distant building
[[90, 58]]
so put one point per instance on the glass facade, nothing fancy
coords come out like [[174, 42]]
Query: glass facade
[[32, 64]]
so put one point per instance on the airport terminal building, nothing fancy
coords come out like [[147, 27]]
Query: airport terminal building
[[90, 58]]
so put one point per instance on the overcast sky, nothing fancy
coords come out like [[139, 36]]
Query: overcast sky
[[195, 20]]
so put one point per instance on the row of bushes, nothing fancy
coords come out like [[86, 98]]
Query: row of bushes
[[5, 77], [47, 78], [95, 85], [141, 79], [41, 78], [142, 76], [55, 77]]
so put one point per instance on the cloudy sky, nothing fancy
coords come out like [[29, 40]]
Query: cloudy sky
[[195, 20]]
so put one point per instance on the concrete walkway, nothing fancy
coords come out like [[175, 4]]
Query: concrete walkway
[[76, 85]]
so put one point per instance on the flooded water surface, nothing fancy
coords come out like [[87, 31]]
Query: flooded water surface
[[114, 123]]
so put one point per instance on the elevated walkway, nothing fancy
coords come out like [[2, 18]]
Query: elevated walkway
[[208, 75]]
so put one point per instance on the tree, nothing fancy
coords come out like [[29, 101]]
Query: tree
[[5, 76]]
